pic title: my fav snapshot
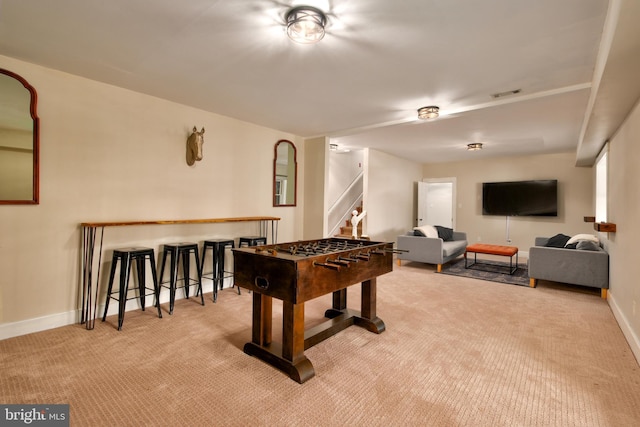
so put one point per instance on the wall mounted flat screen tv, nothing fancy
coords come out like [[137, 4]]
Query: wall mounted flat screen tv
[[520, 198]]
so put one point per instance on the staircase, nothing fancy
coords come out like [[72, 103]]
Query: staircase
[[347, 229]]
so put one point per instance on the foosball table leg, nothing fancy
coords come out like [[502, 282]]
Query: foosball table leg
[[300, 368], [262, 319], [288, 357], [368, 318], [339, 304]]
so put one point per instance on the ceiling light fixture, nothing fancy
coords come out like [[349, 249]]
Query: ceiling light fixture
[[305, 24], [430, 112], [474, 146]]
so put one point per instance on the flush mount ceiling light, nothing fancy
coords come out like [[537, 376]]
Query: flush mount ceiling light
[[430, 112], [474, 146], [305, 24]]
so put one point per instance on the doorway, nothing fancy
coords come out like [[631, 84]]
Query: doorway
[[436, 202]]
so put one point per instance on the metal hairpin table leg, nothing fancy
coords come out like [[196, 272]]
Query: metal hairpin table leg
[[89, 293], [274, 231], [264, 229]]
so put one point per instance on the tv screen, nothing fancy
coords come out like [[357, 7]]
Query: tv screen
[[520, 198]]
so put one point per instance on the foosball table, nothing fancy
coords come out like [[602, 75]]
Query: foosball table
[[298, 272]]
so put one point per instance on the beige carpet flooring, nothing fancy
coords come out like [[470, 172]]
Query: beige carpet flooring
[[456, 352]]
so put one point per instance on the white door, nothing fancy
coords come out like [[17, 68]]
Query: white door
[[436, 202]]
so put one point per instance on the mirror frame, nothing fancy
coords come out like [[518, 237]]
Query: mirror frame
[[295, 173], [36, 142]]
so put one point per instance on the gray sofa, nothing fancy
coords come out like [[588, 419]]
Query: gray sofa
[[573, 266], [430, 250]]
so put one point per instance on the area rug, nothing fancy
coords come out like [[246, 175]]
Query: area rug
[[493, 271]]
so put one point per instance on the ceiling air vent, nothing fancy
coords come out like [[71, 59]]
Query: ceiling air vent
[[507, 93]]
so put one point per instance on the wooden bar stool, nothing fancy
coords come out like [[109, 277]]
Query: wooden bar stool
[[218, 273], [126, 257], [176, 251]]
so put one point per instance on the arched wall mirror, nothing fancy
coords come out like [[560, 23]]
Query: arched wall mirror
[[285, 174], [19, 141]]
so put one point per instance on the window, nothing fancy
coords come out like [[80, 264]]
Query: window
[[601, 185]]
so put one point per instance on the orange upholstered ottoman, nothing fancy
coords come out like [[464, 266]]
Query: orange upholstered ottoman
[[483, 248]]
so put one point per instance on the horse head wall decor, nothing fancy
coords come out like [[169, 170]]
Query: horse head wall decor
[[194, 146]]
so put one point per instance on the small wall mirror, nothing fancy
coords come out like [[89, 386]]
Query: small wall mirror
[[19, 141], [285, 173]]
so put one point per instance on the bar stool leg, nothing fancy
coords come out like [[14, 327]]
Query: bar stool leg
[[110, 287], [156, 285], [214, 268], [172, 274], [232, 277], [173, 279], [162, 264], [186, 271], [125, 266], [198, 270], [141, 278], [215, 264]]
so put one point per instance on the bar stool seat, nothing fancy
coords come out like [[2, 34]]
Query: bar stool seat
[[252, 241], [218, 273], [177, 251], [126, 256]]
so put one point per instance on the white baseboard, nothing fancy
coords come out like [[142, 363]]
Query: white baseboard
[[24, 327], [627, 331]]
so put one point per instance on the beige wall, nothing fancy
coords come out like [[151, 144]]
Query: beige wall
[[316, 152], [575, 197], [109, 154], [389, 196], [623, 210]]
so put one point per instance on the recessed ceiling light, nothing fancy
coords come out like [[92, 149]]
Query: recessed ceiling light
[[430, 112]]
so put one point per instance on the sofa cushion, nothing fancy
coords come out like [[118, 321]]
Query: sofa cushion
[[557, 241], [588, 245], [453, 247], [444, 233], [426, 231], [578, 237]]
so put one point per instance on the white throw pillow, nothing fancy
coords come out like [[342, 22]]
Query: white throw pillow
[[428, 230], [578, 237]]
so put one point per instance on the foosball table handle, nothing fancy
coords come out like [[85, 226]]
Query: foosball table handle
[[327, 265]]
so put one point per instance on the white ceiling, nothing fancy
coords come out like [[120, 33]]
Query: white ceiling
[[361, 85]]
